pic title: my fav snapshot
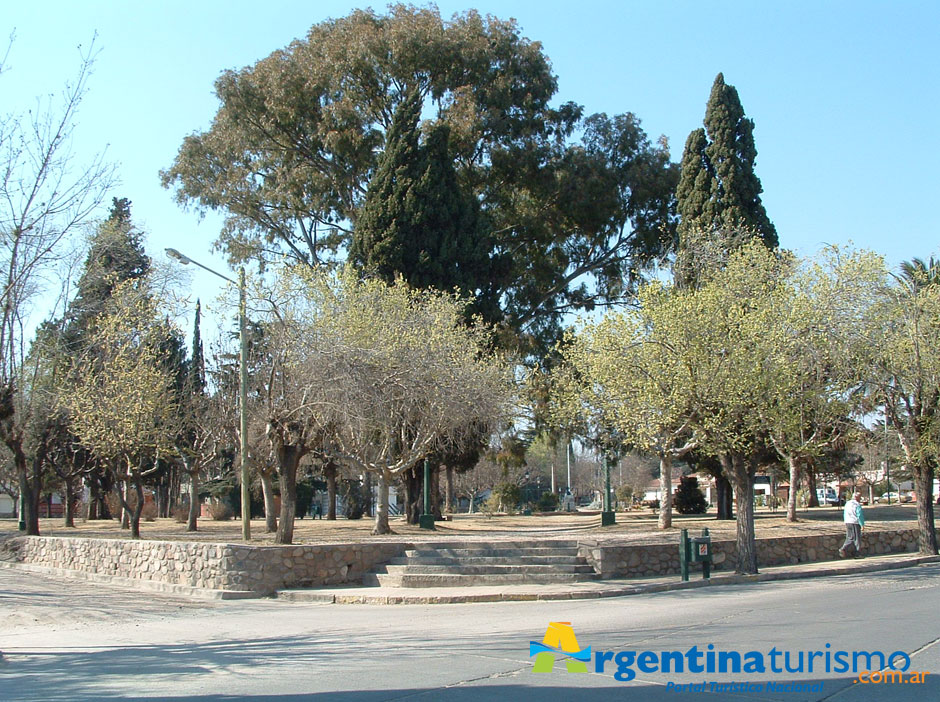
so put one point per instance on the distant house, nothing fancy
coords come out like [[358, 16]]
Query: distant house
[[7, 505]]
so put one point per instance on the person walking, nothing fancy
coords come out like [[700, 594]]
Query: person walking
[[854, 521]]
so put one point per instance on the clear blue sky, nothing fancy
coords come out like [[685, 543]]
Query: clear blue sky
[[845, 95]]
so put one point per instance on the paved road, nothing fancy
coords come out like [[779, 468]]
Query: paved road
[[82, 641]]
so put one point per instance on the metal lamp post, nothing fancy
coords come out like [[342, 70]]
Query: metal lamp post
[[608, 516], [242, 383], [426, 520], [887, 466]]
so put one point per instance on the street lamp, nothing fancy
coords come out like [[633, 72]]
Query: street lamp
[[608, 517], [242, 383]]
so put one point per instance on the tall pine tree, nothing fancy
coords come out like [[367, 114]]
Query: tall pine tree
[[116, 254], [718, 192]]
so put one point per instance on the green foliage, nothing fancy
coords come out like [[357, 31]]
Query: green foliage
[[548, 502], [306, 490], [718, 188], [510, 208], [624, 495], [505, 497], [354, 499], [383, 374], [688, 499], [416, 221], [759, 347], [115, 255]]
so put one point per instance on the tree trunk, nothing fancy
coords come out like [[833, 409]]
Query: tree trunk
[[138, 508], [369, 496], [665, 482], [794, 482], [741, 474], [70, 502], [99, 488], [30, 496], [724, 496], [412, 482], [288, 458], [449, 490], [191, 524], [811, 486], [329, 470], [173, 492], [125, 489], [923, 485], [163, 498], [381, 509], [270, 511], [30, 486]]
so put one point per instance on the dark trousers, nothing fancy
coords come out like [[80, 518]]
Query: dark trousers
[[853, 537]]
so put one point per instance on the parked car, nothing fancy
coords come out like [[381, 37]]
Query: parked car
[[895, 497], [828, 497]]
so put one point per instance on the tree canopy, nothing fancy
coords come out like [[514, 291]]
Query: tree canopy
[[376, 376], [299, 137]]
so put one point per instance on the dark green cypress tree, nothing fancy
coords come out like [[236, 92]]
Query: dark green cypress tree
[[197, 362], [384, 226], [116, 254], [417, 222], [718, 190]]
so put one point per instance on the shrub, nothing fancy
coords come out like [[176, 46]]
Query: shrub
[[548, 502], [114, 505], [625, 495], [354, 503], [506, 496], [149, 512], [181, 513], [220, 511], [688, 498]]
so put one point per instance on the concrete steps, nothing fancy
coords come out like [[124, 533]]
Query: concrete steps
[[484, 563]]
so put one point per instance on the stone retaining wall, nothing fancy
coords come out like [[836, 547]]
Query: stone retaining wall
[[614, 560], [228, 567], [265, 569]]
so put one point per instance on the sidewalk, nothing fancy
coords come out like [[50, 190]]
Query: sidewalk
[[594, 589]]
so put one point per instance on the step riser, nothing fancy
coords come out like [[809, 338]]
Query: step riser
[[489, 553], [493, 560], [412, 569], [475, 580], [520, 545], [491, 563]]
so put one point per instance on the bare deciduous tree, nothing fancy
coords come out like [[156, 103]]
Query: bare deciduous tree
[[45, 197]]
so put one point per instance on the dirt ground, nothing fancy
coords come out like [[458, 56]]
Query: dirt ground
[[638, 526]]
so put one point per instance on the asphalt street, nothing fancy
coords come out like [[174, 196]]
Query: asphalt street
[[72, 640]]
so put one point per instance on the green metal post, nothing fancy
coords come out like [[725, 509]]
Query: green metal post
[[706, 565], [426, 520], [684, 554], [22, 524], [608, 517]]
